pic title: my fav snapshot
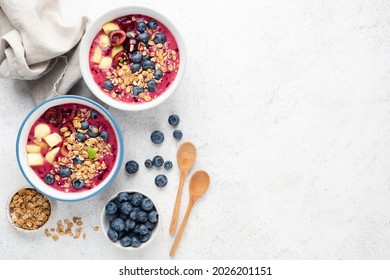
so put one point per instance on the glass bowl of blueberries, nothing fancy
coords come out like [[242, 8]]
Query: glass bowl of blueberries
[[130, 220]]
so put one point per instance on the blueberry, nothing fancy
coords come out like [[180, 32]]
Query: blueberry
[[145, 237], [78, 183], [158, 161], [131, 167], [135, 67], [136, 199], [143, 229], [158, 75], [148, 163], [108, 85], [110, 217], [157, 137], [141, 26], [151, 85], [65, 172], [168, 165], [121, 234], [49, 179], [104, 135], [146, 57], [177, 134], [142, 217], [81, 137], [153, 217], [134, 214], [150, 225], [130, 224], [174, 120], [118, 224], [77, 160], [147, 204], [125, 241], [111, 208], [136, 57], [161, 180], [126, 208], [137, 90], [122, 197], [93, 131], [144, 38], [135, 242], [147, 64], [84, 125], [152, 24], [112, 235], [94, 115], [123, 216], [160, 38]]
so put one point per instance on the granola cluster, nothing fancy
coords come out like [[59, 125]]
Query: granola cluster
[[67, 229]]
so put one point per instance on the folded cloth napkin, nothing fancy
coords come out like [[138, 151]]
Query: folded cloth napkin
[[37, 47]]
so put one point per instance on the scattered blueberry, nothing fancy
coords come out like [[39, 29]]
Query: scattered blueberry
[[122, 197], [150, 225], [94, 114], [49, 179], [145, 237], [141, 26], [157, 137], [112, 235], [135, 242], [160, 38], [126, 208], [135, 67], [111, 208], [65, 172], [104, 135], [125, 241], [77, 160], [152, 24], [137, 90], [136, 57], [148, 163], [151, 85], [84, 125], [130, 224], [147, 204], [81, 137], [142, 217], [136, 199], [153, 217], [143, 229], [108, 85], [144, 38], [158, 161], [131, 167], [161, 180], [174, 120], [78, 183], [158, 75], [93, 131], [118, 224], [177, 134], [168, 165], [147, 64]]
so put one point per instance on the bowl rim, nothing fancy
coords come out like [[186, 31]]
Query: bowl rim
[[116, 243], [107, 114], [85, 48]]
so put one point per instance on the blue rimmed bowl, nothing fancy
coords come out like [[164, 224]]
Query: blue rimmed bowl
[[34, 179]]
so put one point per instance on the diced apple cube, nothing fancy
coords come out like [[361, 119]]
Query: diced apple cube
[[34, 159], [110, 26], [51, 155], [33, 149], [105, 63], [116, 49], [96, 54], [53, 139], [104, 41], [41, 130]]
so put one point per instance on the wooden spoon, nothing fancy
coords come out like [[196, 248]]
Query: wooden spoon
[[186, 155], [199, 184]]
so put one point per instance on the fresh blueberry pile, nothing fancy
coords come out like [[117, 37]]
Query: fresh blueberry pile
[[132, 218]]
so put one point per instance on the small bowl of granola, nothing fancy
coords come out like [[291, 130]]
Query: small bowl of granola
[[69, 148], [28, 210], [132, 58]]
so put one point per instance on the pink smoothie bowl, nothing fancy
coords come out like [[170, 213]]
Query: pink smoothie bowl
[[90, 77], [31, 175]]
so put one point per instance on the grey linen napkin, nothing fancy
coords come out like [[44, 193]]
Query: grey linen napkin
[[36, 46]]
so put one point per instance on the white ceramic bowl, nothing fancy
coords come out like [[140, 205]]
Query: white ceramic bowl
[[105, 224], [86, 43], [32, 177]]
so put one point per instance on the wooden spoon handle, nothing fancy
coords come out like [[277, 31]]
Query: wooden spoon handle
[[176, 210], [181, 229]]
